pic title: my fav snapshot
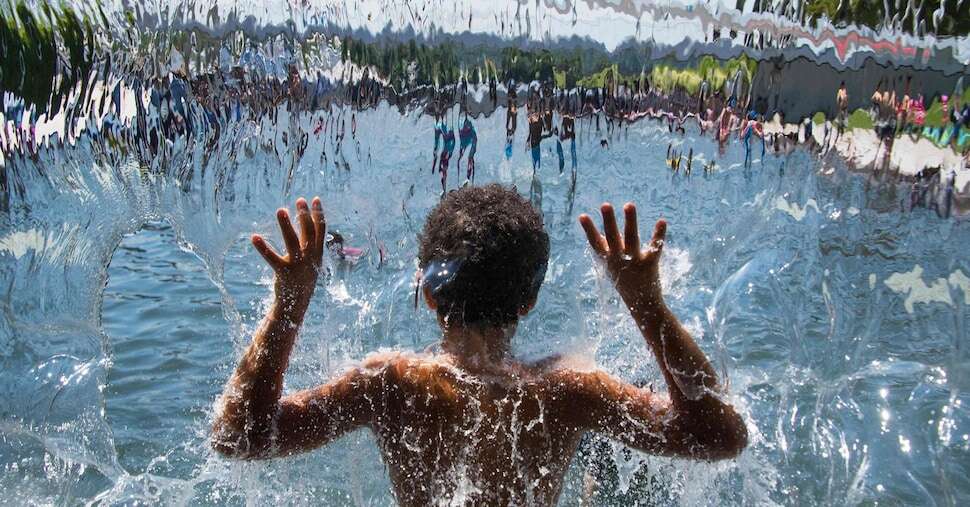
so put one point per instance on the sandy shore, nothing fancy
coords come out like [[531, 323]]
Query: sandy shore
[[861, 150]]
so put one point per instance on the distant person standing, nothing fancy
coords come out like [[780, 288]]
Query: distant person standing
[[511, 120], [438, 131], [725, 123], [752, 127], [702, 94], [569, 132], [903, 109], [535, 137], [448, 135], [842, 101], [469, 140], [944, 119], [876, 100], [888, 113], [951, 121], [559, 153]]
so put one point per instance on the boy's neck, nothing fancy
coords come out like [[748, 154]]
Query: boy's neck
[[477, 347]]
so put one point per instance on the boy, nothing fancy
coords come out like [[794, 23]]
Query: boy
[[472, 424]]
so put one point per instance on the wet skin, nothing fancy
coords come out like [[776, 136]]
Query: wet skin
[[473, 424]]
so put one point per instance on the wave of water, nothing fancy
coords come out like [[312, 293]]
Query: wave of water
[[839, 320]]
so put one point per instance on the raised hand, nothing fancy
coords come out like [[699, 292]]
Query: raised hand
[[296, 272], [635, 271]]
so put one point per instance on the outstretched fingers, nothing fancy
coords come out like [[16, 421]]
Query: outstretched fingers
[[631, 234], [610, 229], [271, 257], [319, 228], [659, 233], [596, 241], [307, 230], [290, 239]]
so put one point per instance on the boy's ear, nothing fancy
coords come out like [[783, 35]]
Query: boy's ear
[[428, 299]]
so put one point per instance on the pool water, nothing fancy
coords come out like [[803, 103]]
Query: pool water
[[838, 321]]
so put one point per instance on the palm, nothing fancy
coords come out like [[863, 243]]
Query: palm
[[635, 271], [296, 272]]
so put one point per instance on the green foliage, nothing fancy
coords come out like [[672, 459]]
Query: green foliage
[[872, 13], [717, 73], [28, 42], [421, 64], [560, 78], [602, 78], [668, 78], [816, 9], [934, 113], [860, 119], [433, 64]]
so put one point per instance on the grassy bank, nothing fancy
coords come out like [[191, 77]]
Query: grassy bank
[[31, 66]]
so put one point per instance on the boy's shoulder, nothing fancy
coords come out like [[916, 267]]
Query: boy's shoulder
[[575, 377], [401, 362], [409, 369], [558, 372]]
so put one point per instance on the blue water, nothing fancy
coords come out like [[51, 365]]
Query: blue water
[[838, 321]]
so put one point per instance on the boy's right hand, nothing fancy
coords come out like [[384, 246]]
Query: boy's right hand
[[296, 272], [635, 271]]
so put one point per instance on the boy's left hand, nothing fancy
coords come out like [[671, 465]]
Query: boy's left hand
[[296, 272], [635, 271]]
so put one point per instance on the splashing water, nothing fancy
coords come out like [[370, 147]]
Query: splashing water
[[837, 317]]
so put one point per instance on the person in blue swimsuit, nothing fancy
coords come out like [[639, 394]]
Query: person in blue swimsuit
[[535, 137], [559, 154], [448, 136], [469, 140], [439, 128], [511, 120], [752, 126]]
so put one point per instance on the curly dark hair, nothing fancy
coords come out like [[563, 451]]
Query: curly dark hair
[[497, 241]]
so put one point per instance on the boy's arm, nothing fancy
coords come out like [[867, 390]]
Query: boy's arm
[[695, 422], [252, 422]]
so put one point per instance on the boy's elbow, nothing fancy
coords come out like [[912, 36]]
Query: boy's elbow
[[718, 433], [227, 449], [236, 451], [235, 446], [729, 442], [733, 442]]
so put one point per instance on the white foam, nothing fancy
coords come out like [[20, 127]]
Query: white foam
[[18, 243], [793, 209], [918, 290]]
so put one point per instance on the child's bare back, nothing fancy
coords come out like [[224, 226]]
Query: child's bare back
[[471, 425], [498, 437]]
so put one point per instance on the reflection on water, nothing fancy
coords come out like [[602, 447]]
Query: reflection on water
[[808, 253]]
